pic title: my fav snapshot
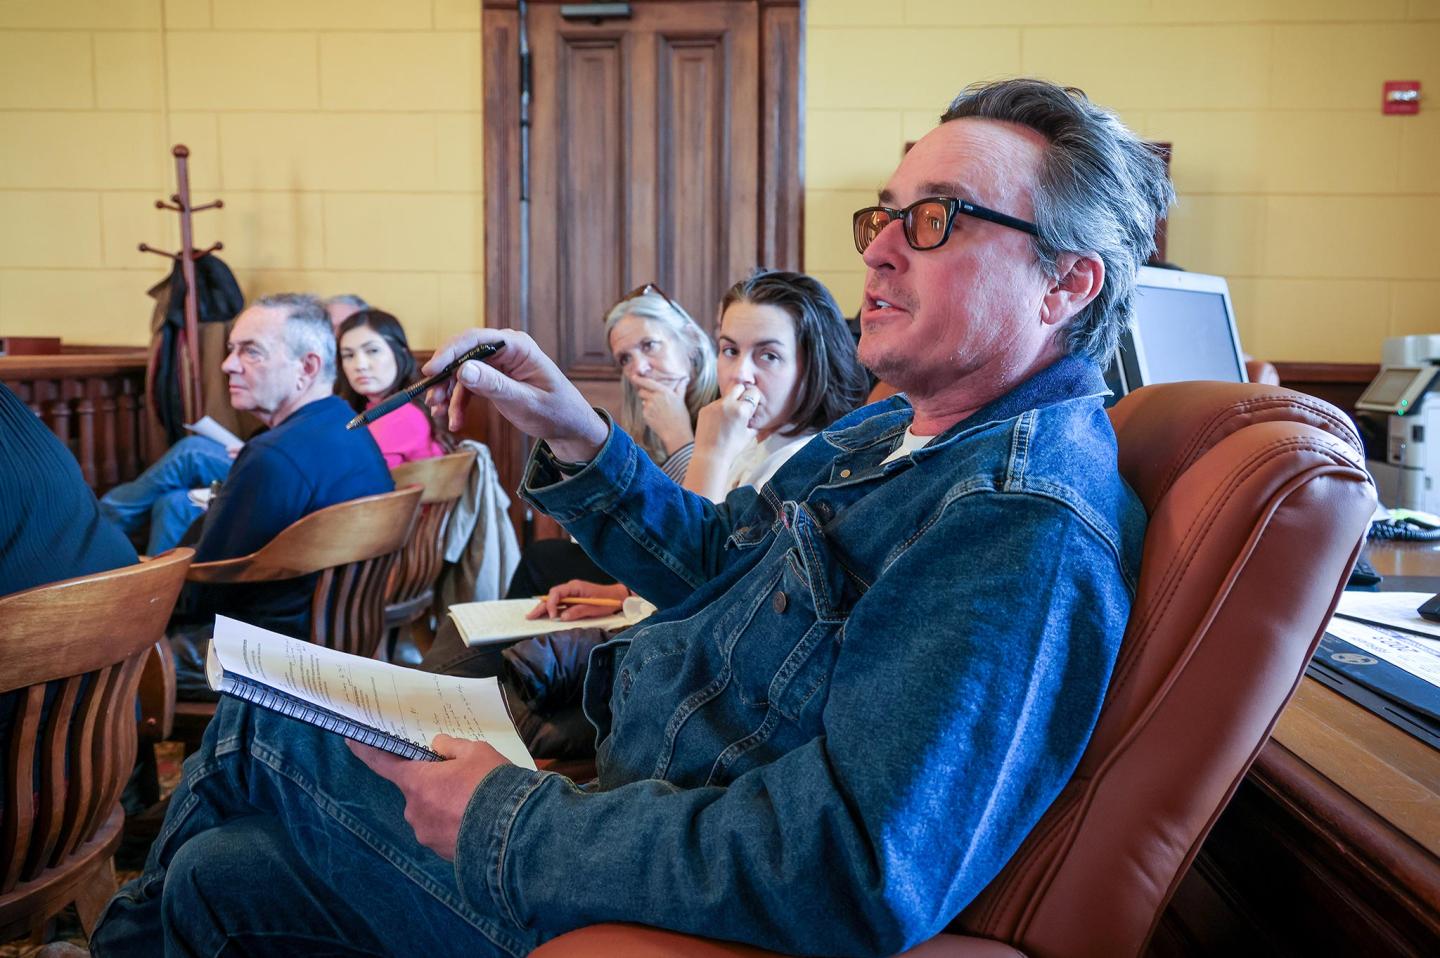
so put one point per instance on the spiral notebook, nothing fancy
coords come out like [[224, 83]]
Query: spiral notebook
[[388, 706]]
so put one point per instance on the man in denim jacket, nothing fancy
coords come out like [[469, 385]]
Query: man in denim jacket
[[867, 680]]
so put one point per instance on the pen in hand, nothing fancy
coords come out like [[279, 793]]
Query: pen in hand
[[483, 351]]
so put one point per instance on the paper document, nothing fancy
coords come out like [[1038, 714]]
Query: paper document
[[481, 623], [1418, 656], [1393, 609], [211, 429], [361, 695]]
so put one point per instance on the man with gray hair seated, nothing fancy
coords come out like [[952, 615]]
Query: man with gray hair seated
[[280, 364], [341, 307], [866, 681]]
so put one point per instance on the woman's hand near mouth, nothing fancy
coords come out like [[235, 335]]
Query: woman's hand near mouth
[[662, 405]]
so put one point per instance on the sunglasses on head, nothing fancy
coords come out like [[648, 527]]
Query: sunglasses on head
[[927, 223], [650, 288]]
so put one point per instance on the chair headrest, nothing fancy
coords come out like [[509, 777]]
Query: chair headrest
[[1167, 427]]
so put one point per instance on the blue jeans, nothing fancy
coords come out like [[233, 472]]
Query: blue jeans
[[159, 494], [279, 841]]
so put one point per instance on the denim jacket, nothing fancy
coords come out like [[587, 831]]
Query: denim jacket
[[866, 682]]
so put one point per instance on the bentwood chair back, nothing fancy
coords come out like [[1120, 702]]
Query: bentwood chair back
[[412, 585], [72, 653], [351, 548]]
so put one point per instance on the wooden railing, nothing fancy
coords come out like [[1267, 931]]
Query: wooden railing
[[95, 404]]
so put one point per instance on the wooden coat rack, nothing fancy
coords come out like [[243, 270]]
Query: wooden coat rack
[[180, 203]]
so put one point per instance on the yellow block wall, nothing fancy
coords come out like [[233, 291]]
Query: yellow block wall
[[344, 137], [1323, 214]]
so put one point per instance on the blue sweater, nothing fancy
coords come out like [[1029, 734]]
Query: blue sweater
[[50, 524], [307, 462]]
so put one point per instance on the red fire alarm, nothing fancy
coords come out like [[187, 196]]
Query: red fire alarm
[[1401, 97]]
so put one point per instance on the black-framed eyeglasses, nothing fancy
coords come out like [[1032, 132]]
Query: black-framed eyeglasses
[[927, 223]]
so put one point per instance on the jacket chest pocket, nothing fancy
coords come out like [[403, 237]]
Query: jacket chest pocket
[[780, 654]]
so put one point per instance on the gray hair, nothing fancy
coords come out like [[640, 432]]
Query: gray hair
[[347, 299], [704, 385], [1100, 189], [307, 328]]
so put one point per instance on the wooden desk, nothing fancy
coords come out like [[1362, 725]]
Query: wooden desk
[[1331, 845]]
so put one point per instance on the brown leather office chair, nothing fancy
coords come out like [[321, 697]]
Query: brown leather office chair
[[84, 640], [351, 547], [1258, 501], [412, 584]]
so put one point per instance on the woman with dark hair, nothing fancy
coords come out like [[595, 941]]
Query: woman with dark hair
[[376, 361], [787, 369]]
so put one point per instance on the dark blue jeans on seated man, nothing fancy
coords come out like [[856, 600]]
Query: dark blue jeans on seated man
[[161, 494], [246, 816]]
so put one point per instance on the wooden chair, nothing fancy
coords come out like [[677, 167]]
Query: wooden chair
[[412, 586], [351, 547], [81, 644]]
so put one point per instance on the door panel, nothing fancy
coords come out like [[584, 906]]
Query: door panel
[[644, 152]]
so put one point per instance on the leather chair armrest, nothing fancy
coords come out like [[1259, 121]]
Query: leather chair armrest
[[637, 941], [157, 693]]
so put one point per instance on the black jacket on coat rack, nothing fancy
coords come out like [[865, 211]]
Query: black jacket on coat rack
[[218, 299]]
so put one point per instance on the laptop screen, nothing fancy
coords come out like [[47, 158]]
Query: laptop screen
[[1186, 334], [1182, 328]]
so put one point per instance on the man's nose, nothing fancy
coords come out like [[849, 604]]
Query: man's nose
[[888, 250]]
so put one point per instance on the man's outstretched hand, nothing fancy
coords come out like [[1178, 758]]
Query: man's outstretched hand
[[526, 387], [436, 793]]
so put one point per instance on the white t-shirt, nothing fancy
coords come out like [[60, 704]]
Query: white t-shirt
[[759, 461], [908, 444]]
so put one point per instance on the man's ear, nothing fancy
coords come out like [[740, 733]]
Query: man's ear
[[310, 366], [1081, 276]]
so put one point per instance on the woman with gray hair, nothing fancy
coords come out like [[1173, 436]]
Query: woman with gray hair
[[667, 374]]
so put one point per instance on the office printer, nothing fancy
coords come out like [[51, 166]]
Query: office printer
[[1399, 418]]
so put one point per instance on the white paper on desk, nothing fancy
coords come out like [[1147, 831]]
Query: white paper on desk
[[211, 429], [481, 623], [406, 703], [1393, 609], [1418, 656]]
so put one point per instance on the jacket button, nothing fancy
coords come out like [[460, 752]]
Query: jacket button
[[779, 602], [844, 473]]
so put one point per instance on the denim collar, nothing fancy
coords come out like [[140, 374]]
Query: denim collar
[[1066, 379]]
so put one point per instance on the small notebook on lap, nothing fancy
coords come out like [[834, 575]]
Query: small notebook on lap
[[388, 706]]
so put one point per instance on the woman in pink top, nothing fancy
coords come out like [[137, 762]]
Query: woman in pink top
[[376, 361]]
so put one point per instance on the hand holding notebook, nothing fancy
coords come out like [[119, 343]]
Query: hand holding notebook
[[396, 709]]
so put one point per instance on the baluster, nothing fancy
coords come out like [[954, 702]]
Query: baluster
[[58, 414], [85, 431], [109, 462], [128, 435]]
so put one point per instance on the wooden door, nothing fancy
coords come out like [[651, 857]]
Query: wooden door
[[663, 147], [644, 149]]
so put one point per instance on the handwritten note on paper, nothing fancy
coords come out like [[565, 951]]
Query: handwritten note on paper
[[406, 703], [481, 623]]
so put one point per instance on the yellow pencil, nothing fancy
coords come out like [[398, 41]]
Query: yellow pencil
[[586, 600]]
